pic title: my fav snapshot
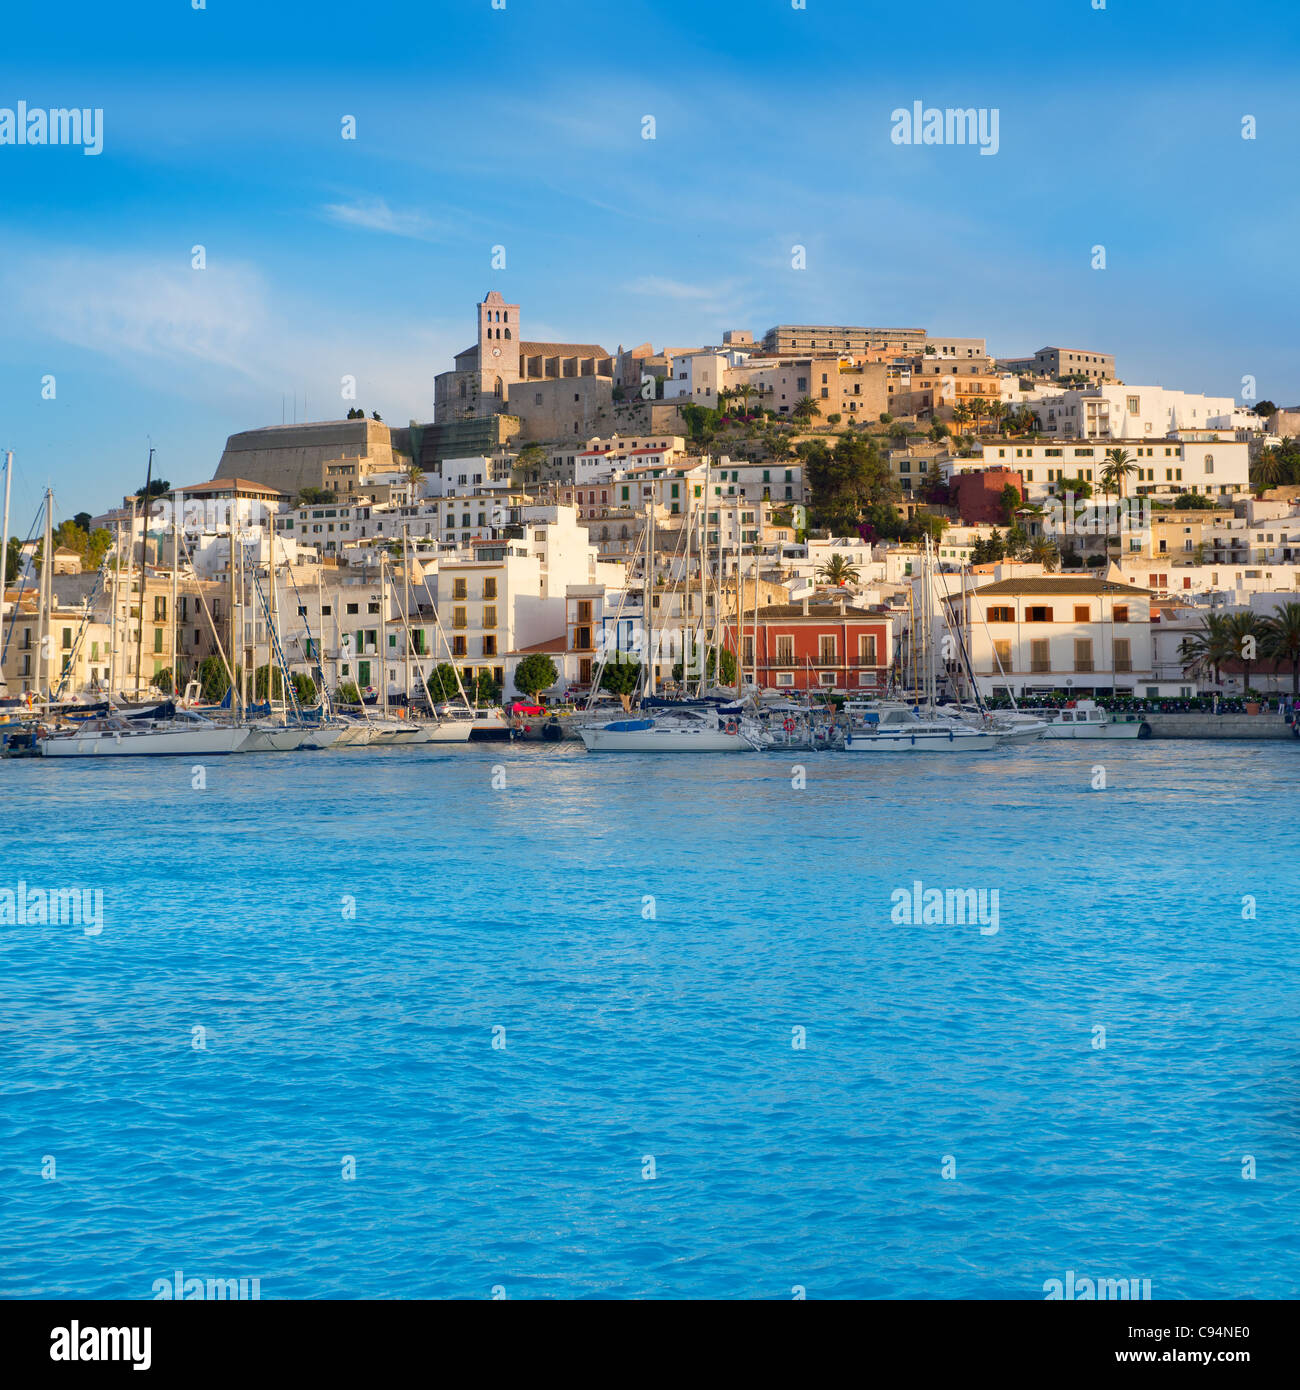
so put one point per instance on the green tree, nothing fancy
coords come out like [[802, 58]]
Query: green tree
[[485, 690], [1247, 632], [805, 408], [213, 680], [261, 683], [1265, 408], [535, 673], [1009, 499], [442, 683], [347, 694], [1281, 642], [1117, 470], [833, 419], [13, 559], [839, 571], [621, 678], [163, 681], [1210, 648], [304, 688], [1044, 552]]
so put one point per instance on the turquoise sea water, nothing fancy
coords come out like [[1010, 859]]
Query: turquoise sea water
[[349, 928]]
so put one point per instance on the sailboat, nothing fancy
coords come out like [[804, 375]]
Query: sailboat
[[689, 726], [893, 726], [112, 736]]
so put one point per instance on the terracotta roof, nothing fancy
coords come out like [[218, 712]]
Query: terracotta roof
[[552, 644], [819, 611], [561, 350], [1056, 584], [227, 485]]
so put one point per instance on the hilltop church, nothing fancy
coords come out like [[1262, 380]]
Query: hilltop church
[[480, 383]]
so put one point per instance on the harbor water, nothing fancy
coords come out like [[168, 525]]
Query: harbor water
[[523, 1021]]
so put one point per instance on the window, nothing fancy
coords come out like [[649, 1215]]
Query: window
[[785, 650], [1038, 615], [1040, 656], [352, 608], [458, 618], [489, 590], [159, 608], [1083, 654], [490, 616], [458, 646], [785, 678], [826, 650], [866, 649], [460, 588], [1121, 613], [1082, 613], [489, 646], [1002, 615], [67, 638], [157, 640], [1123, 655], [1002, 656]]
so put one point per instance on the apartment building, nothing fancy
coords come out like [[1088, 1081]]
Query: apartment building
[[1060, 362], [1058, 632]]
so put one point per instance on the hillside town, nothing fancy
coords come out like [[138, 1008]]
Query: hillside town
[[770, 499]]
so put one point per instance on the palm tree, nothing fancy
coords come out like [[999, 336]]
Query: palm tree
[[997, 411], [745, 392], [979, 409], [839, 571], [961, 412], [1268, 469], [805, 408], [1044, 552], [415, 476], [1208, 649], [1246, 630], [1282, 640], [1116, 471]]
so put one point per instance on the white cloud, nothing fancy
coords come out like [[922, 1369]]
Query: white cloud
[[225, 335], [374, 215]]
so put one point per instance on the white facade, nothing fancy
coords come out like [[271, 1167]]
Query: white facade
[[1056, 632], [1114, 411]]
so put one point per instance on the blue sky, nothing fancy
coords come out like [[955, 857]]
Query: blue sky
[[522, 128]]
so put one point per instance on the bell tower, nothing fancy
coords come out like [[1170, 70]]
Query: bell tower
[[498, 350]]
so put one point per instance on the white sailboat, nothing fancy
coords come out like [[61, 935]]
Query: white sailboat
[[681, 731], [898, 728], [926, 727], [187, 734]]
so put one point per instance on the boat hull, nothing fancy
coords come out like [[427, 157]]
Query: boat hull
[[154, 743], [927, 740], [672, 741], [1095, 731]]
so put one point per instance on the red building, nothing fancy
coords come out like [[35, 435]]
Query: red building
[[978, 496], [818, 646]]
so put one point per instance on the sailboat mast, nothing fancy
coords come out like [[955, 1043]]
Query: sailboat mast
[[406, 605], [4, 548], [46, 590], [144, 572], [177, 502]]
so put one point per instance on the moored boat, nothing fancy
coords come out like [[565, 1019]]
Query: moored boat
[[113, 737]]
